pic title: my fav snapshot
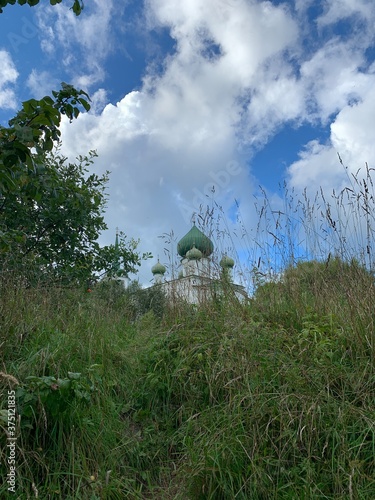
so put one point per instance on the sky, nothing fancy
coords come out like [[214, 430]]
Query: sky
[[203, 103]]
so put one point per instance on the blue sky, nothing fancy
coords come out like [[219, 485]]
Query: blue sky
[[189, 95]]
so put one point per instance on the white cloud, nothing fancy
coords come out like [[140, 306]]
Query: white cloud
[[41, 83], [98, 101], [350, 138], [87, 39], [169, 143], [337, 10], [302, 6], [8, 76], [333, 77], [238, 74], [278, 97], [317, 167], [352, 130], [245, 40], [333, 175]]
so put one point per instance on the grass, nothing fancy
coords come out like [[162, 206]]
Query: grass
[[121, 395]]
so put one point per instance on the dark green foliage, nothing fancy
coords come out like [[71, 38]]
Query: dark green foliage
[[210, 403], [134, 301], [36, 126], [76, 7], [334, 287], [50, 225], [143, 300], [269, 399], [46, 405], [259, 412], [51, 210], [120, 259]]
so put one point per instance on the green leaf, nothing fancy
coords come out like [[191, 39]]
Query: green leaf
[[77, 7], [48, 101], [10, 160], [25, 134], [48, 145], [85, 104], [64, 384]]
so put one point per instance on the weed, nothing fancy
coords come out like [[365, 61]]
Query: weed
[[123, 395]]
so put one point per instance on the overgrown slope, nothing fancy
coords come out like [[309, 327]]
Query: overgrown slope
[[270, 399]]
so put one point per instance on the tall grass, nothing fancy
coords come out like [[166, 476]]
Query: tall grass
[[123, 395]]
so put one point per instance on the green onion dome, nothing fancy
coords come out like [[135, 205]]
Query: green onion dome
[[194, 254], [197, 238], [227, 262], [158, 268]]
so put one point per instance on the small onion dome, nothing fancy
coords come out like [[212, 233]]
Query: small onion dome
[[226, 262], [158, 268], [197, 238], [194, 254]]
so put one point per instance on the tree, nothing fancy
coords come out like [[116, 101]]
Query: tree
[[35, 129], [50, 225], [51, 211], [76, 7], [36, 126]]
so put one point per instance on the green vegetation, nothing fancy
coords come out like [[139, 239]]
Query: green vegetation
[[120, 395], [51, 210], [76, 7], [50, 224]]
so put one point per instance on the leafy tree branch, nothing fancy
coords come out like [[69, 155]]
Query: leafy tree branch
[[77, 6]]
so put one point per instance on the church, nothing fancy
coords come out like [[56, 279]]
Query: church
[[199, 279]]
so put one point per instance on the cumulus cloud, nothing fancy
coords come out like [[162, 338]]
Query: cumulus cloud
[[318, 166], [99, 100], [8, 77], [172, 146], [238, 73], [350, 139], [333, 77], [225, 51], [351, 131]]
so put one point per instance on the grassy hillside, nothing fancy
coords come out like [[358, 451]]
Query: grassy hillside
[[122, 396]]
